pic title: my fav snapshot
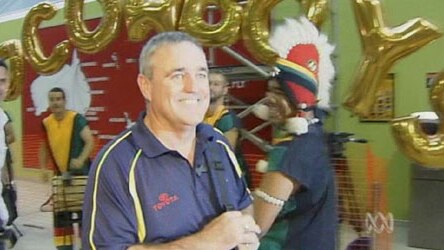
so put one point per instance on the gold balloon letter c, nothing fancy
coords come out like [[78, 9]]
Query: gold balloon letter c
[[31, 42], [255, 25]]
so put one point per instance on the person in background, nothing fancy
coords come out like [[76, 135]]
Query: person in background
[[7, 172], [219, 116], [295, 204], [169, 181], [6, 138], [69, 142]]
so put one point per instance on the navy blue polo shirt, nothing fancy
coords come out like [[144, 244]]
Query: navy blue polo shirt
[[140, 191], [308, 219]]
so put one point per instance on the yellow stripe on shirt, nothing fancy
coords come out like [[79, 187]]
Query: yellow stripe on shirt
[[141, 230], [232, 157], [96, 181]]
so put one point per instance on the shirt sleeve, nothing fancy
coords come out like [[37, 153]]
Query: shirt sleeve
[[275, 156], [228, 122], [109, 221], [80, 121], [307, 162]]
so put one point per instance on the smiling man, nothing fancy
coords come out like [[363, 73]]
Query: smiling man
[[169, 181]]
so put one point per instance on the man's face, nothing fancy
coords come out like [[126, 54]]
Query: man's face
[[278, 103], [178, 90], [4, 83], [218, 87], [56, 102]]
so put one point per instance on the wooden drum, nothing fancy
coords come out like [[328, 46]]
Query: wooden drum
[[68, 193]]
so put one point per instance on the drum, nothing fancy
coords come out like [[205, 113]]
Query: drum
[[68, 193]]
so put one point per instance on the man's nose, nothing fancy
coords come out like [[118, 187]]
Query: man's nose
[[190, 83]]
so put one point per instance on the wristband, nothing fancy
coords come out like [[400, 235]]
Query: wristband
[[268, 198]]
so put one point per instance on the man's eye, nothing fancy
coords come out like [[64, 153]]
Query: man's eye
[[202, 76], [177, 76]]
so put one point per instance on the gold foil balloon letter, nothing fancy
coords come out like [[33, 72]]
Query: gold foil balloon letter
[[31, 42], [12, 50], [427, 150], [315, 10], [142, 17], [93, 41], [224, 32], [382, 47], [255, 25], [255, 30]]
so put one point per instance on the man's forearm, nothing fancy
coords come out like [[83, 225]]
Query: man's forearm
[[43, 157], [226, 231], [249, 210], [88, 139], [86, 152]]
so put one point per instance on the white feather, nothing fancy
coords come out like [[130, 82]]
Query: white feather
[[293, 32]]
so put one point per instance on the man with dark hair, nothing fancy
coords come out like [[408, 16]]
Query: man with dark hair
[[6, 137], [225, 120], [70, 143], [146, 188]]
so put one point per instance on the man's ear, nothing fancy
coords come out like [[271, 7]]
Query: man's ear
[[144, 86], [226, 89]]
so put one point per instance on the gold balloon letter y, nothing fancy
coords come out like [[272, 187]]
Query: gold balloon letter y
[[382, 47]]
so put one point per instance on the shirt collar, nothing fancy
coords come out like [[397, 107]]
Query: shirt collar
[[152, 147]]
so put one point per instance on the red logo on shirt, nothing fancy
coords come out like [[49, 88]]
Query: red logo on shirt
[[164, 200]]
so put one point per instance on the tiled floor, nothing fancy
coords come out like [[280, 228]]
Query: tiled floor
[[37, 226]]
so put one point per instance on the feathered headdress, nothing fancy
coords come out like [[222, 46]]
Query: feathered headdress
[[305, 70]]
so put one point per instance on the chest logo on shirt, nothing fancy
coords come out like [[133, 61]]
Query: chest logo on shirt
[[165, 199]]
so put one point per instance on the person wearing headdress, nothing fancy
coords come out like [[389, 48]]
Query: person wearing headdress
[[295, 203]]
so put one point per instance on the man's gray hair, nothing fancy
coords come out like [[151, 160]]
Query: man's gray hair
[[164, 38]]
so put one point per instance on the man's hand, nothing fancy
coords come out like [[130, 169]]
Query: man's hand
[[227, 231], [248, 246], [232, 229], [75, 163], [45, 176]]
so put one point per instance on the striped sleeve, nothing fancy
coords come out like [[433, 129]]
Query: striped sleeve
[[109, 213]]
